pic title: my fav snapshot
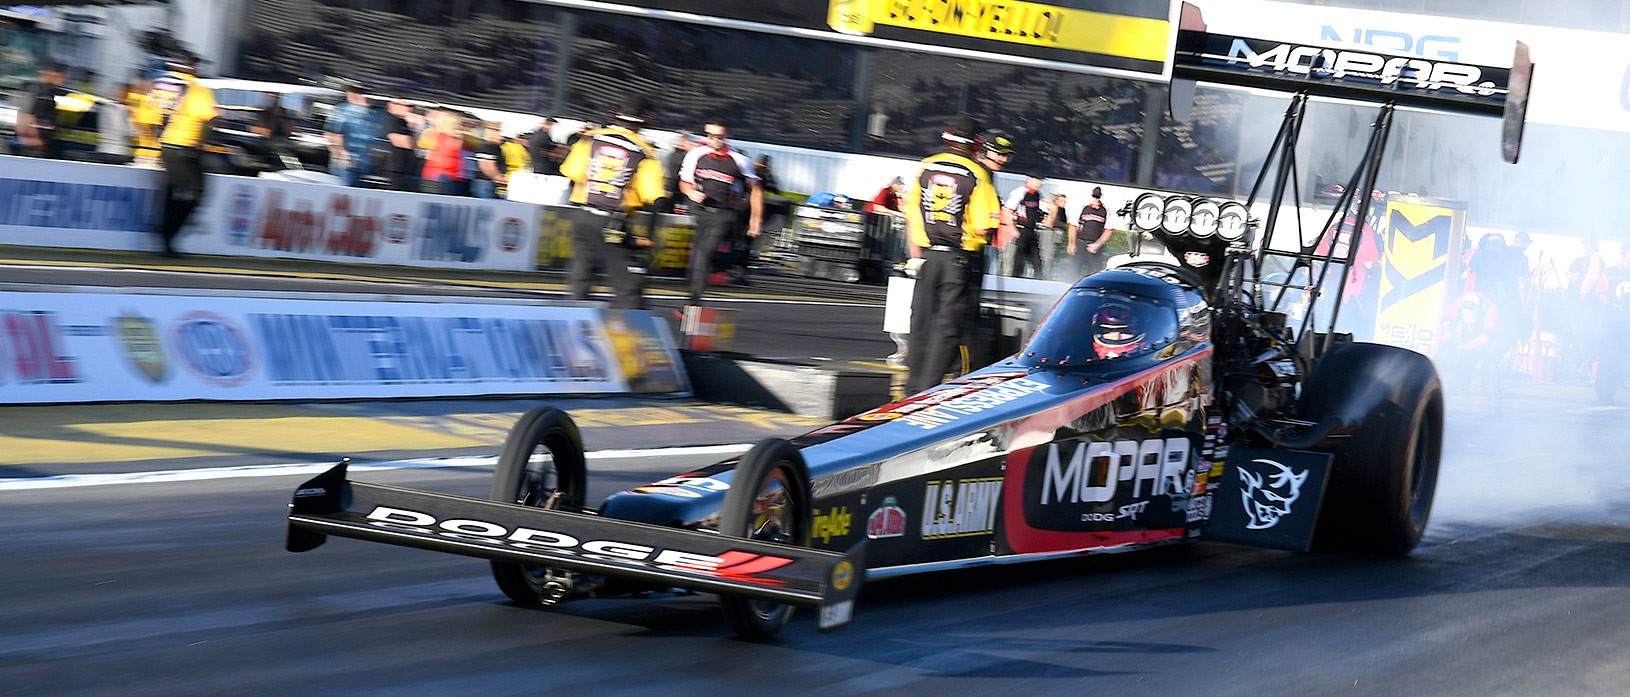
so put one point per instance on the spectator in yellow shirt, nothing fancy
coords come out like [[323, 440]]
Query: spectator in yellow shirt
[[180, 109]]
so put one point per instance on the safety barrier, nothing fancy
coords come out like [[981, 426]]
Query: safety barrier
[[97, 346]]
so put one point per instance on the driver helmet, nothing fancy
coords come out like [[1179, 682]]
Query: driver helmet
[[1117, 330]]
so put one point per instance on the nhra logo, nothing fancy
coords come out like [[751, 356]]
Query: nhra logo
[[397, 228], [240, 216], [214, 348], [889, 520], [138, 337], [509, 234]]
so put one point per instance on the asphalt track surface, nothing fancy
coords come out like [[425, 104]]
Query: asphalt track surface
[[130, 583]]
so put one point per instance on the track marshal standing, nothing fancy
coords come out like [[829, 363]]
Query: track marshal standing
[[950, 209], [613, 171]]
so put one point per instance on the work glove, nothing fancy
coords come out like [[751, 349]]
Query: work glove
[[913, 265]]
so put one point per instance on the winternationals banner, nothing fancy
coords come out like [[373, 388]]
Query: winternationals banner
[[100, 347]]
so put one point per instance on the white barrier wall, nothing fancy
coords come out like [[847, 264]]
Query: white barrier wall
[[104, 347], [73, 204]]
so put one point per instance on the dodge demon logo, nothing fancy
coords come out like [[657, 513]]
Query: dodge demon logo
[[1266, 505]]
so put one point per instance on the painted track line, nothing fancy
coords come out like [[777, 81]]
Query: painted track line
[[65, 481]]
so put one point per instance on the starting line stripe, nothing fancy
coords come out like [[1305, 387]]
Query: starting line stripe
[[65, 481]]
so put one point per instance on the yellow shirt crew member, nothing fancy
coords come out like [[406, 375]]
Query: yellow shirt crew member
[[950, 208], [179, 108], [613, 171]]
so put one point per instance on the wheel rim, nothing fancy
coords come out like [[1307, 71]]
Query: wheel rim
[[773, 519], [542, 487]]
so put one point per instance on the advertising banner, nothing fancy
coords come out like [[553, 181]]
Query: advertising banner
[[53, 203], [244, 216], [1128, 37], [86, 347], [668, 254], [1420, 263]]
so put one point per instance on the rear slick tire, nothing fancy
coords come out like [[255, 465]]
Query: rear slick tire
[[1385, 473], [542, 465], [768, 500]]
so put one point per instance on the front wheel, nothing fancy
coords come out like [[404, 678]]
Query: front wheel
[[768, 500], [542, 465]]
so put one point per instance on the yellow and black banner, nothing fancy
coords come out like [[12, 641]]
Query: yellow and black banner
[[1133, 36], [1420, 267]]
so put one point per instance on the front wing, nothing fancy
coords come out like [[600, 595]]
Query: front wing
[[329, 504]]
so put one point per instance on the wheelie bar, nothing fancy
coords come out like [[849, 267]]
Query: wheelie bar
[[329, 504]]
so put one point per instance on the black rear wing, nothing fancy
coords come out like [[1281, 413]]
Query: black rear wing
[[1343, 73], [666, 557]]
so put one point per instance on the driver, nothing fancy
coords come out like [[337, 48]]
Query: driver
[[1117, 330]]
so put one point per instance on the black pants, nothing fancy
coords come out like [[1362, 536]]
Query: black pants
[[713, 225], [590, 250], [183, 191], [1028, 252], [939, 309]]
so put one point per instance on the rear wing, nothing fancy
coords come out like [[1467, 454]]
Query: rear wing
[[667, 557], [1347, 73], [1343, 73]]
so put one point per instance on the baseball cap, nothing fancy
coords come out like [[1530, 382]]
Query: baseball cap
[[964, 130], [999, 145]]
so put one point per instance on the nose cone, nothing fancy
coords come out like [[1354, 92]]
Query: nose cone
[[672, 509]]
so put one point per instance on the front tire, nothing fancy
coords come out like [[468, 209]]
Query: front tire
[[542, 465], [1385, 473], [768, 500]]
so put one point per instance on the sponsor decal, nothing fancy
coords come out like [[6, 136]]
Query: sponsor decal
[[345, 226], [398, 228], [1268, 494], [1200, 509], [1071, 483], [139, 340], [31, 349], [1093, 471], [684, 487], [836, 614], [214, 348], [730, 564], [889, 520], [961, 508], [979, 400], [1397, 41], [509, 234], [240, 215], [833, 523], [1420, 72], [452, 232], [852, 479], [843, 574]]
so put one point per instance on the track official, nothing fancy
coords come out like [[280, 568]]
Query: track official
[[718, 181], [613, 171], [950, 207], [181, 109]]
